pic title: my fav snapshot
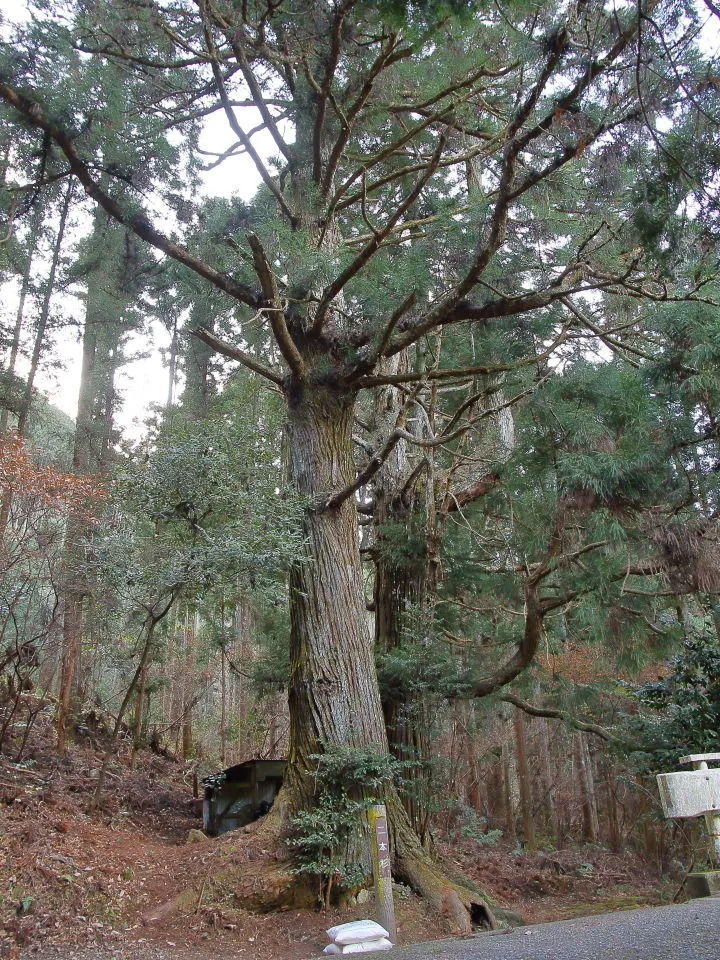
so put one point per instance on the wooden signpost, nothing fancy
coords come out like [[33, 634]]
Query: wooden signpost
[[380, 849]]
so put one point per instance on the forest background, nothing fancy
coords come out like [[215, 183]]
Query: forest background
[[431, 505]]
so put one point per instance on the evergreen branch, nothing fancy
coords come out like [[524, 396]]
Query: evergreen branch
[[493, 410], [397, 315], [616, 346], [386, 152], [672, 157], [559, 45], [571, 151], [235, 353], [374, 243], [259, 101], [554, 714], [468, 81], [274, 306], [448, 435], [569, 282], [199, 112], [324, 90], [406, 224], [118, 52], [460, 372], [592, 71], [33, 113], [402, 172], [392, 54], [514, 146], [498, 225]]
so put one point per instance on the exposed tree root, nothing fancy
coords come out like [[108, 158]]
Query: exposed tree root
[[457, 902], [463, 907]]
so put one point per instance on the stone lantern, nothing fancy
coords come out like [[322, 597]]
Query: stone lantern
[[696, 793]]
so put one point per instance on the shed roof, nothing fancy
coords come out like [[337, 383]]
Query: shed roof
[[235, 772]]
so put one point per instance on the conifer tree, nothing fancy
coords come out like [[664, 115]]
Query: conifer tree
[[374, 113]]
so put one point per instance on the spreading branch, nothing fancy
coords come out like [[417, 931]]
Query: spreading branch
[[275, 309], [235, 353], [140, 225], [554, 714]]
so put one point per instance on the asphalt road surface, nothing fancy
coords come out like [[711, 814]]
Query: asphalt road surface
[[686, 931]]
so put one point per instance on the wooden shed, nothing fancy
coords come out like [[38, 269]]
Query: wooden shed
[[240, 794]]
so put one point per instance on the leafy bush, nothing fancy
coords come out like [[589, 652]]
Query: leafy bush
[[348, 780], [686, 704], [471, 826]]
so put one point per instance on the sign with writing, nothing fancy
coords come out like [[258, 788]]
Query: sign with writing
[[382, 874]]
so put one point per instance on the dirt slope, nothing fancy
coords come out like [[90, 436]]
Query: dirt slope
[[127, 880]]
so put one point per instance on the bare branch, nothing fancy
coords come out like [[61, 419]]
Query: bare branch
[[554, 714], [275, 309], [461, 372], [235, 353], [242, 136]]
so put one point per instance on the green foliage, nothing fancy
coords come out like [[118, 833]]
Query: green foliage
[[416, 670], [354, 769], [469, 825], [348, 781], [320, 839], [685, 707]]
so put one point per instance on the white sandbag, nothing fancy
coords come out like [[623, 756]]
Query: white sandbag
[[357, 932], [366, 946], [332, 948]]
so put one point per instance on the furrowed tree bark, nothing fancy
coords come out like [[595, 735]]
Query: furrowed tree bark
[[334, 697]]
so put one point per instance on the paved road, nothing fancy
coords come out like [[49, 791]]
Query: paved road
[[687, 931]]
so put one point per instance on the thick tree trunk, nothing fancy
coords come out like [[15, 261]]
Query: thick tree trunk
[[333, 694], [101, 356]]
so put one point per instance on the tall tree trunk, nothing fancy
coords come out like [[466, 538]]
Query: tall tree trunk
[[334, 698], [402, 500], [40, 343], [333, 695], [586, 780], [612, 807], [101, 356], [526, 802]]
